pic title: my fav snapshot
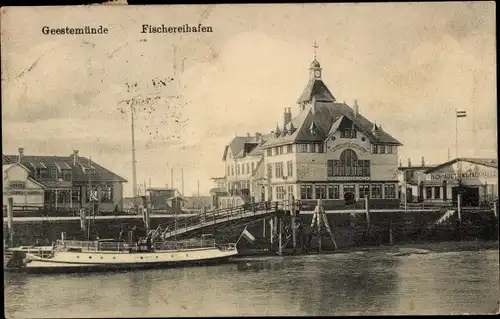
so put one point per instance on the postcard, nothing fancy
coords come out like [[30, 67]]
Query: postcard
[[250, 160]]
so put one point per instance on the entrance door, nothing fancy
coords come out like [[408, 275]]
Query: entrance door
[[409, 195], [349, 198]]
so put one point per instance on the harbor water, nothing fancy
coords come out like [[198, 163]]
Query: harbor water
[[386, 281]]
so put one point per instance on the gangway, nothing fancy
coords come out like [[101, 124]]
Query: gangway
[[219, 217]]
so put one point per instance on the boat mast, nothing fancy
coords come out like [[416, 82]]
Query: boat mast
[[134, 162], [90, 200]]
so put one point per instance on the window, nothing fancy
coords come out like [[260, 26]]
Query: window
[[289, 148], [336, 168], [253, 167], [270, 170], [321, 148], [279, 150], [53, 173], [17, 185], [374, 149], [364, 191], [107, 192], [289, 168], [305, 191], [269, 152], [329, 168], [428, 192], [279, 170], [43, 173], [376, 191], [348, 133], [390, 191], [366, 168], [280, 192], [243, 169], [248, 168], [301, 148], [388, 149], [290, 191], [333, 192], [348, 160], [437, 192], [382, 149], [270, 197], [320, 191], [238, 169], [76, 194], [232, 170]]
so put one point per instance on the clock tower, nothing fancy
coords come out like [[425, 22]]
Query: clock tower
[[315, 86]]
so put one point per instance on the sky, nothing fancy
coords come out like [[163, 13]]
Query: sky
[[409, 65]]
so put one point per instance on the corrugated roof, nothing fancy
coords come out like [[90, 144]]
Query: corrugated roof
[[103, 174], [488, 162]]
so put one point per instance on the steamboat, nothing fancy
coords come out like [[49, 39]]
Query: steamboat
[[105, 255]]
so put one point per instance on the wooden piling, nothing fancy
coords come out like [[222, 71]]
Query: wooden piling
[[294, 228], [495, 208], [318, 218], [459, 207], [10, 220], [280, 243], [390, 231]]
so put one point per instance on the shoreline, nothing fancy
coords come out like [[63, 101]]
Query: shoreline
[[437, 247]]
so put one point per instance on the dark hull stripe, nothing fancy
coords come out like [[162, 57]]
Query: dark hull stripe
[[118, 267]]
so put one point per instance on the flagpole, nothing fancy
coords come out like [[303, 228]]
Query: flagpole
[[241, 235], [456, 133]]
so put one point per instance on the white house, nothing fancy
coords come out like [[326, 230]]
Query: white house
[[24, 190]]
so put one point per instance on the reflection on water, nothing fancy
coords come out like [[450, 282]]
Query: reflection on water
[[354, 283]]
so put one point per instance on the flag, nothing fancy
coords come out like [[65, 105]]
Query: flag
[[248, 235], [461, 114]]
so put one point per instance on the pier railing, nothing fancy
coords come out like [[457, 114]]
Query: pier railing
[[217, 216]]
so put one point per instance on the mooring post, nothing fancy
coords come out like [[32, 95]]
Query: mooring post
[[495, 208], [280, 248], [390, 231], [294, 228], [10, 220], [367, 209], [319, 224], [264, 227], [459, 207]]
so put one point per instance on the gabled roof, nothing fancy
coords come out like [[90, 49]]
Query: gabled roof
[[488, 162], [326, 116], [242, 146], [102, 174], [317, 89], [7, 167]]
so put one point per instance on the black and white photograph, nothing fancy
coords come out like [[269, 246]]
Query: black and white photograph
[[321, 159]]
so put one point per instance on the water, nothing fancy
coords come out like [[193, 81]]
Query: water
[[343, 284]]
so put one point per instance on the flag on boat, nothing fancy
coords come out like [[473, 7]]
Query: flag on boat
[[248, 235], [461, 113]]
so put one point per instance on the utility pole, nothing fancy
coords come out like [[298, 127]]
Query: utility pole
[[172, 177], [134, 162]]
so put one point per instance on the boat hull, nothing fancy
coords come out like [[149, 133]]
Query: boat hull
[[66, 262]]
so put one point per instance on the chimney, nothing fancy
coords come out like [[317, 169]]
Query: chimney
[[287, 116], [258, 137], [409, 162], [423, 161], [21, 153], [75, 157], [356, 108]]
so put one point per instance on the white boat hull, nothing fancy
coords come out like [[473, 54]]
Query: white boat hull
[[101, 261]]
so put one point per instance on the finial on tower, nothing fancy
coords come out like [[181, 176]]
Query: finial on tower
[[315, 46]]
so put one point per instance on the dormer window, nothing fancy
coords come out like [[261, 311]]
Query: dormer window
[[313, 129], [348, 133]]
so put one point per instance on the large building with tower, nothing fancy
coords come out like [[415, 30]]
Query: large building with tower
[[327, 150]]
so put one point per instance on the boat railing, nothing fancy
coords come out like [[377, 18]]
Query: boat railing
[[185, 244], [226, 247]]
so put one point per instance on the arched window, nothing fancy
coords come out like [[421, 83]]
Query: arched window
[[348, 163]]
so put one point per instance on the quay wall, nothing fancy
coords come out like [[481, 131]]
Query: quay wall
[[349, 230]]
